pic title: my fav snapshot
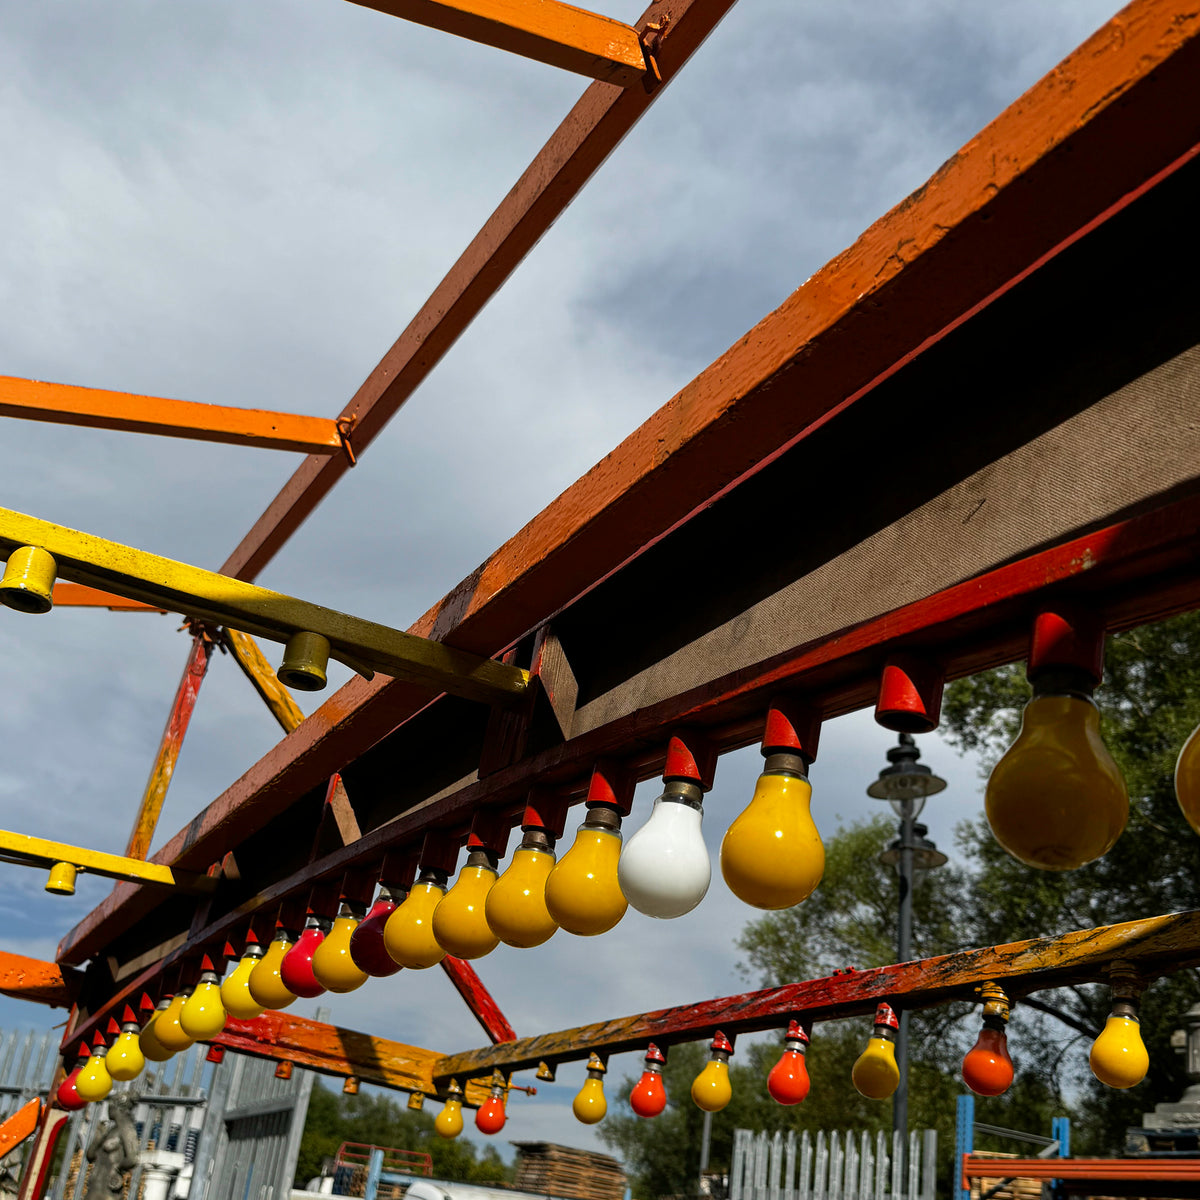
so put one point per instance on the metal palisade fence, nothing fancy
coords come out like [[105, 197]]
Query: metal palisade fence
[[832, 1166]]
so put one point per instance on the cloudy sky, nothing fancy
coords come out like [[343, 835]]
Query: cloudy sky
[[245, 203]]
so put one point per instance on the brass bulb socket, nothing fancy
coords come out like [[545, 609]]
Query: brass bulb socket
[[305, 661], [61, 881], [416, 1101], [28, 582]]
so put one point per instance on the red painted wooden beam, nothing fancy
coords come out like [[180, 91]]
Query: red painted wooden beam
[[479, 1000]]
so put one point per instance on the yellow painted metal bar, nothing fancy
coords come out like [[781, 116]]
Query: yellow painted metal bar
[[216, 599], [28, 851], [547, 31], [261, 674], [95, 408]]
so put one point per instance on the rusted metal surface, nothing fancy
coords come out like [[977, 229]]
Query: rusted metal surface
[[1156, 946], [544, 30], [42, 982], [976, 625], [479, 999], [169, 747], [261, 674], [95, 408]]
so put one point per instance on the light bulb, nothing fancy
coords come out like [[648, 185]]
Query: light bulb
[[664, 869], [1118, 1058], [67, 1096], [266, 986], [986, 1068], [93, 1081], [408, 934], [449, 1122], [1187, 780], [711, 1089], [590, 1105], [203, 1015], [1056, 800], [460, 921], [875, 1074], [649, 1095], [788, 1082], [235, 989], [772, 856], [296, 969], [152, 1049], [125, 1059], [516, 906], [332, 963], [490, 1116], [582, 892], [366, 942], [167, 1028]]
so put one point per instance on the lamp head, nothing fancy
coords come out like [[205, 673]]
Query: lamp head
[[906, 779]]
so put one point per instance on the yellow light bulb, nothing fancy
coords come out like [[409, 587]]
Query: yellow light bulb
[[516, 906], [582, 892], [711, 1089], [266, 984], [449, 1122], [235, 990], [331, 963], [459, 921], [203, 1014], [1056, 800], [1187, 780], [875, 1073], [125, 1059], [152, 1049], [1118, 1058], [589, 1105], [167, 1028], [772, 856], [93, 1081], [408, 934]]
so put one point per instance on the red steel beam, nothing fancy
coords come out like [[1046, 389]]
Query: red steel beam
[[1135, 571], [1098, 1169], [479, 1000]]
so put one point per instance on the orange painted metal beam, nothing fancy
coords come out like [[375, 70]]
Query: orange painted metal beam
[[545, 30], [42, 982], [1098, 1169], [79, 595], [19, 1126], [94, 408]]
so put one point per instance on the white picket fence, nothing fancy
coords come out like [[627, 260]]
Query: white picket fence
[[832, 1166]]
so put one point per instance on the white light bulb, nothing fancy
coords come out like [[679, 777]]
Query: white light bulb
[[664, 869]]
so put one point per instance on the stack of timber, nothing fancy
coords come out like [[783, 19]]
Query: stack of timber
[[1017, 1189], [563, 1171]]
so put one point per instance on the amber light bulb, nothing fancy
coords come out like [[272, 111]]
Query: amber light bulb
[[516, 906], [772, 856], [589, 1105], [152, 1049], [170, 1033], [1056, 800], [711, 1089], [408, 934], [788, 1082], [460, 921], [125, 1059], [332, 963], [1187, 780], [583, 894], [876, 1075], [649, 1095], [235, 989], [490, 1116], [1118, 1057], [296, 969], [986, 1068], [266, 985], [449, 1122], [67, 1096], [366, 942]]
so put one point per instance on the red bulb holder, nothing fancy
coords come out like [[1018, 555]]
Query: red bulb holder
[[649, 1095], [788, 1081], [490, 1116], [366, 942], [987, 1069], [67, 1096], [296, 970]]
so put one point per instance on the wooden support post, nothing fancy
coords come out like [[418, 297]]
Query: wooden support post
[[261, 674]]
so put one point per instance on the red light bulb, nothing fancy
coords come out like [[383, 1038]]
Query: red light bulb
[[788, 1081], [987, 1069], [296, 969], [366, 942], [649, 1095], [491, 1116], [68, 1096]]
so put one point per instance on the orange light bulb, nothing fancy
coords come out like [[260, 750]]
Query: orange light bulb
[[491, 1116], [987, 1069], [649, 1095], [788, 1082]]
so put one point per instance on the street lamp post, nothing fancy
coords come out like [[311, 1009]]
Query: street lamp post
[[905, 784]]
